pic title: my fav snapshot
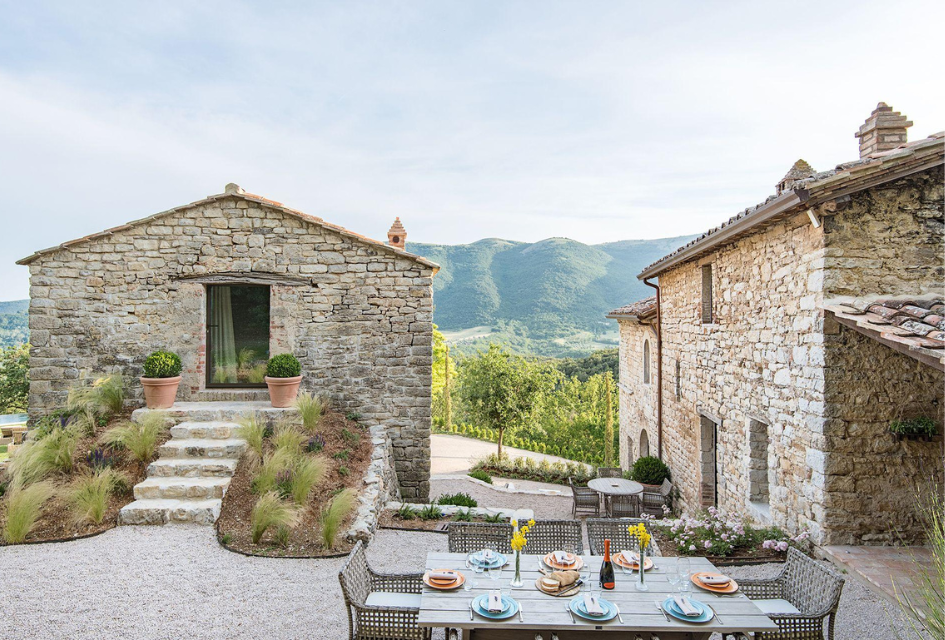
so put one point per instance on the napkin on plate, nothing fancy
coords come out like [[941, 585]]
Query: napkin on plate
[[486, 555], [631, 556], [563, 557], [445, 576], [715, 581], [685, 606], [560, 580], [592, 605], [495, 601]]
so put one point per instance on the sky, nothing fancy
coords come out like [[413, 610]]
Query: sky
[[598, 121]]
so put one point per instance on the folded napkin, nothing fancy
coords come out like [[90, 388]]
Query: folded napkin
[[444, 575], [563, 557], [495, 601], [715, 581], [631, 556], [486, 555], [592, 605], [685, 606], [560, 580]]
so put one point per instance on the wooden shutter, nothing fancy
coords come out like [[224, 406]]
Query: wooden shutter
[[707, 294]]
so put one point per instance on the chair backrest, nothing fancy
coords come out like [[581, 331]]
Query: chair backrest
[[465, 537], [809, 585], [555, 535], [666, 487], [609, 472], [355, 576], [613, 529], [625, 506]]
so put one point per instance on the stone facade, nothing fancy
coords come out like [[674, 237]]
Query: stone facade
[[797, 406], [637, 414], [357, 314]]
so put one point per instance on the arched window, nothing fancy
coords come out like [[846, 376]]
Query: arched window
[[644, 444], [646, 362]]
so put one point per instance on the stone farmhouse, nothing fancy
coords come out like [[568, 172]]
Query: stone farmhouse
[[779, 346], [226, 282]]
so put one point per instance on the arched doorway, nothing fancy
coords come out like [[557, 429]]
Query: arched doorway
[[644, 444]]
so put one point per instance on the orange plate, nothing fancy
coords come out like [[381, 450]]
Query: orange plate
[[444, 586], [620, 562], [550, 561], [731, 587]]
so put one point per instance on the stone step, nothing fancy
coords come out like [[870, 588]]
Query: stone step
[[216, 430], [164, 511], [181, 488], [230, 411], [192, 468], [233, 395], [202, 448]]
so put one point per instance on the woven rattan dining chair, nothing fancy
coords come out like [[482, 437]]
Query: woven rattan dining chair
[[381, 606], [609, 472], [802, 600], [583, 499], [466, 537], [555, 535], [613, 529], [653, 501], [624, 506]]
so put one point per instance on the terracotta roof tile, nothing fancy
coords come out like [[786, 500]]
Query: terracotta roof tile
[[639, 309]]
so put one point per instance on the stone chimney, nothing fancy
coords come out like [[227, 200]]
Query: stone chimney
[[800, 171], [885, 129], [397, 236]]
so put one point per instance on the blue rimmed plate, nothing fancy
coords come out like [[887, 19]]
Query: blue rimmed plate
[[509, 607], [706, 613], [498, 561], [577, 606]]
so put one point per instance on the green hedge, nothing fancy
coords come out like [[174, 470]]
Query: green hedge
[[571, 451]]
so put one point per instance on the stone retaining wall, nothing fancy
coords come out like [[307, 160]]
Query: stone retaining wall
[[379, 487]]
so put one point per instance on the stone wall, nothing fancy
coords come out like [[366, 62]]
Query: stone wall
[[358, 316], [637, 400], [379, 488]]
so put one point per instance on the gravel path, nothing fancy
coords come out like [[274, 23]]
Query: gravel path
[[546, 507], [175, 581]]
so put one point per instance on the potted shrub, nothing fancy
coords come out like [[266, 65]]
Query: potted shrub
[[649, 471], [161, 379], [914, 428], [283, 377]]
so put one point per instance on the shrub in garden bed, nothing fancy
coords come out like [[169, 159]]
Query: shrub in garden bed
[[479, 474], [458, 500], [648, 470], [528, 469]]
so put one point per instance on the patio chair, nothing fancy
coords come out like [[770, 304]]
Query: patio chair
[[466, 537], [609, 472], [613, 529], [624, 506], [653, 501], [381, 606], [802, 600], [583, 499], [555, 535]]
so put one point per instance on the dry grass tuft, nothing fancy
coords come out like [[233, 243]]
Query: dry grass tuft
[[271, 511], [24, 506], [334, 515]]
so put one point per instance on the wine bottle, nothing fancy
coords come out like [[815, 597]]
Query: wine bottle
[[607, 569]]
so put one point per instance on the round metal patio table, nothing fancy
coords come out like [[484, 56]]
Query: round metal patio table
[[615, 486]]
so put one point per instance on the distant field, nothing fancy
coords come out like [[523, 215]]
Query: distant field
[[467, 334]]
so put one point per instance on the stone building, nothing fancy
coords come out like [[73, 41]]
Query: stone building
[[226, 282], [782, 344]]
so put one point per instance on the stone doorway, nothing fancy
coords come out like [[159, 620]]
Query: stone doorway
[[237, 335], [708, 450]]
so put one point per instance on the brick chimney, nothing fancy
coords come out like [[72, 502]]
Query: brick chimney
[[885, 129], [800, 171], [397, 236]]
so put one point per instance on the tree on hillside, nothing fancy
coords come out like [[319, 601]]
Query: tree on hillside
[[503, 391], [14, 378], [444, 372], [609, 421]]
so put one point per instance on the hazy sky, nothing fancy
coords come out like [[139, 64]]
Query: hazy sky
[[594, 120]]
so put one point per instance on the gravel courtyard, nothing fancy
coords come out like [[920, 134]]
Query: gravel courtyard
[[176, 582]]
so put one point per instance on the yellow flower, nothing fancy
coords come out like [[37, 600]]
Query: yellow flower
[[514, 523], [531, 523]]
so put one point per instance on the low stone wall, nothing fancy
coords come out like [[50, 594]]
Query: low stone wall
[[380, 486]]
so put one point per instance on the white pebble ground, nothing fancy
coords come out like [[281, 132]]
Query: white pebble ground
[[177, 582]]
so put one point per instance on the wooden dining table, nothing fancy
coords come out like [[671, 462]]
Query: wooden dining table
[[542, 614]]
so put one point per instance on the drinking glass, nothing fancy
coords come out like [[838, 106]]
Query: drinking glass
[[683, 573], [475, 566], [494, 573]]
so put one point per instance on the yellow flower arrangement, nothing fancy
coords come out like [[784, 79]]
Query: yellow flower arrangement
[[519, 540], [639, 532]]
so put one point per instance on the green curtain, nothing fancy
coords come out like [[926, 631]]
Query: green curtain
[[222, 341]]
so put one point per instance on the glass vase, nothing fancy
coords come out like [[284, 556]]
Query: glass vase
[[517, 580], [641, 581]]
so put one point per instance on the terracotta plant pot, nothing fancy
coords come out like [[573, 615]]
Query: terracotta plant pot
[[282, 391], [159, 393]]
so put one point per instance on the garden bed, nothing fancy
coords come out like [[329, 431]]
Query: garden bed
[[740, 556], [524, 468], [343, 438]]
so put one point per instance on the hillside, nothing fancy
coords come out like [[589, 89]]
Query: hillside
[[13, 323], [547, 297]]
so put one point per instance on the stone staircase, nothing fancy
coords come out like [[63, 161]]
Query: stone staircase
[[188, 481]]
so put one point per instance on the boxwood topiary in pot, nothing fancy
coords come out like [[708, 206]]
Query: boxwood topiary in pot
[[160, 379], [283, 377], [649, 470]]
